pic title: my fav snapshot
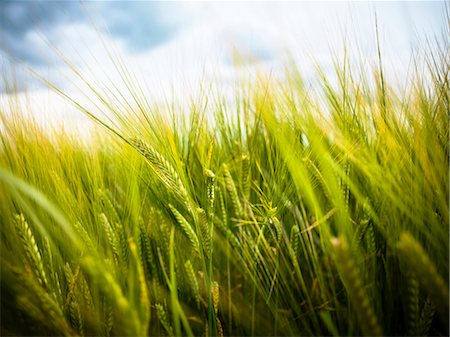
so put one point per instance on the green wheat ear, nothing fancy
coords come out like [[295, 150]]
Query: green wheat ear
[[426, 318], [44, 307], [108, 319], [275, 223], [216, 297], [228, 234], [193, 283], [108, 206], [294, 239], [86, 239], [163, 169], [246, 176], [72, 280], [223, 210], [187, 228], [144, 300], [232, 191], [413, 306], [76, 319], [205, 229], [31, 249], [355, 288], [164, 318], [359, 235], [211, 179], [426, 272], [111, 236], [147, 257]]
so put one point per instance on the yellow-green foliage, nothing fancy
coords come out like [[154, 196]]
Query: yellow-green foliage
[[220, 218]]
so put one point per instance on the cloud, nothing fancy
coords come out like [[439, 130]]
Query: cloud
[[166, 39], [142, 25], [24, 25], [22, 21]]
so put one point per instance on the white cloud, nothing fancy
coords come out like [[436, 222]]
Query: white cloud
[[202, 50]]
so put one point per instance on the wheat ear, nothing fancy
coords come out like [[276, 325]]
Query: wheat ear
[[85, 238], [186, 228], [246, 176], [111, 236], [31, 249], [164, 170], [192, 280], [355, 289], [426, 272], [426, 318], [205, 230], [413, 306], [232, 191], [163, 318]]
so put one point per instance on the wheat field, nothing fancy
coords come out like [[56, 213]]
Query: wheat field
[[285, 211]]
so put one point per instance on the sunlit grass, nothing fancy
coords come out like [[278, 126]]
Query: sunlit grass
[[290, 212]]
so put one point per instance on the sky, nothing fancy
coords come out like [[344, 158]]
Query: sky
[[174, 46]]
